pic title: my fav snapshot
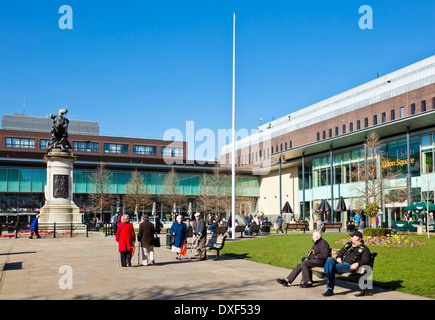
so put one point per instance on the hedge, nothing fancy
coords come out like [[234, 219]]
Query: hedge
[[377, 231]]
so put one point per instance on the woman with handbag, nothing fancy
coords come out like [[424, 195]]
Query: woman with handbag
[[146, 237], [126, 238], [179, 236]]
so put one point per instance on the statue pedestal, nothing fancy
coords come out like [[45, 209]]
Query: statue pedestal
[[59, 206]]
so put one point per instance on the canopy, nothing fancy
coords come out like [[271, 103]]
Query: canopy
[[323, 206], [287, 208], [421, 206], [341, 205]]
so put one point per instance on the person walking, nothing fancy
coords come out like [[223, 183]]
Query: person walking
[[279, 222], [125, 237], [316, 258], [145, 236], [179, 233], [158, 224], [34, 229], [200, 233]]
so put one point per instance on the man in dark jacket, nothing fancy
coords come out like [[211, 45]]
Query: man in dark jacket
[[200, 234], [352, 256], [146, 238], [316, 258]]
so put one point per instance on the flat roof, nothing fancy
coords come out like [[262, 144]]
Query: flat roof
[[389, 129]]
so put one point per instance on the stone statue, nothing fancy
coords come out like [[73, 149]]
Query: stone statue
[[59, 133]]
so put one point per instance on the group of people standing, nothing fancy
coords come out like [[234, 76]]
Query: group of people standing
[[126, 238], [179, 231]]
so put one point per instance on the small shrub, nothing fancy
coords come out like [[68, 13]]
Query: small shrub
[[377, 232]]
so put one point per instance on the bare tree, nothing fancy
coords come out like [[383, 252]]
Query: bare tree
[[377, 175], [101, 197], [204, 198], [171, 194], [221, 189], [136, 193]]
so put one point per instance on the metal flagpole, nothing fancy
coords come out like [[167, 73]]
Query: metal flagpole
[[233, 154]]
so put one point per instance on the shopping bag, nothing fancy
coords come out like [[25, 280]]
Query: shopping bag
[[184, 250], [156, 241]]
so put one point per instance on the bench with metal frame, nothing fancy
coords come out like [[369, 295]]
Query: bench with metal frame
[[216, 242], [358, 273]]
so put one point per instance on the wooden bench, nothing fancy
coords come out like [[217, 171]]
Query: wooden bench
[[254, 228], [215, 242], [332, 225], [295, 226], [220, 230], [356, 273], [240, 229]]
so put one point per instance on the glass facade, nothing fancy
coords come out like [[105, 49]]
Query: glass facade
[[33, 180], [348, 172]]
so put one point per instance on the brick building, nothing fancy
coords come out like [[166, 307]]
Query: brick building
[[322, 142]]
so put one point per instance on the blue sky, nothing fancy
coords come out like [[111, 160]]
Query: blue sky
[[142, 67]]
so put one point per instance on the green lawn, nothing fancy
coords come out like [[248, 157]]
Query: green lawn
[[410, 270]]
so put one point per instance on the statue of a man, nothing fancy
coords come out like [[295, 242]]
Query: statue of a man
[[59, 132]]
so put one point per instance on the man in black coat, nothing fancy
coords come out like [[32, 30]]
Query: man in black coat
[[316, 258], [200, 233], [352, 256]]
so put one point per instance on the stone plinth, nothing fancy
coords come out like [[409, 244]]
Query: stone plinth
[[59, 206]]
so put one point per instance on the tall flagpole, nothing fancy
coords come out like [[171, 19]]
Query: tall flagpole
[[233, 154]]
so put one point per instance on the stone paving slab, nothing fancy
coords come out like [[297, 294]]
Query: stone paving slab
[[29, 270]]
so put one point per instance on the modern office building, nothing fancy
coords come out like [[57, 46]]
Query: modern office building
[[23, 176], [310, 154]]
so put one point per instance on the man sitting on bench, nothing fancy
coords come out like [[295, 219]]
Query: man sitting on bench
[[352, 256], [316, 258]]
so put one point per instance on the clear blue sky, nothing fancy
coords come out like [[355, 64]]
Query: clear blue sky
[[142, 67]]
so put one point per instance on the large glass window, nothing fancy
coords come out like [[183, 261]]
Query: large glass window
[[20, 143], [177, 152], [397, 157], [427, 153], [115, 148], [145, 150], [86, 146], [43, 144]]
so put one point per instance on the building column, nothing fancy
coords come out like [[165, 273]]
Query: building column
[[303, 185], [332, 183], [408, 152], [280, 187]]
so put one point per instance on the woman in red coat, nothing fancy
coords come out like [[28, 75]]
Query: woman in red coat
[[126, 238]]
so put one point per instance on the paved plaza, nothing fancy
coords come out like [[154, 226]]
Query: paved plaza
[[32, 270]]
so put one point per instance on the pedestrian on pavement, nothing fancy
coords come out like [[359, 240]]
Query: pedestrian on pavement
[[316, 258], [126, 239], [34, 228], [146, 238], [114, 222], [179, 234], [158, 224], [279, 222], [200, 234]]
